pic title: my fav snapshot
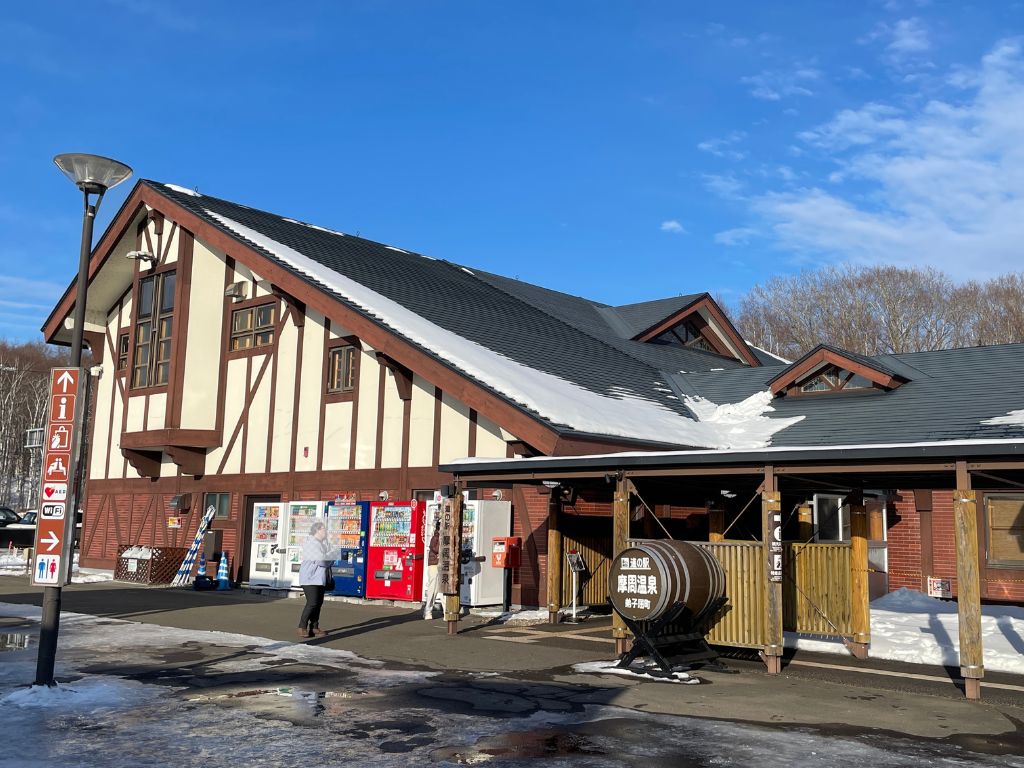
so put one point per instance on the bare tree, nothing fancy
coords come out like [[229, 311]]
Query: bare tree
[[879, 310]]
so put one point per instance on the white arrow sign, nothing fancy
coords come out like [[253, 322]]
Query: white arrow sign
[[52, 541], [64, 380]]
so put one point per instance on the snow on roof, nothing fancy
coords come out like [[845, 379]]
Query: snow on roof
[[770, 354], [552, 397], [1013, 418], [183, 190]]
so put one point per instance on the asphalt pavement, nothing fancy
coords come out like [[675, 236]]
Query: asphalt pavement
[[828, 693]]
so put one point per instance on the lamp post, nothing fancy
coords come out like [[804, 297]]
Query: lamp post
[[94, 175]]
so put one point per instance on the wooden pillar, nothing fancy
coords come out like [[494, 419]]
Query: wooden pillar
[[620, 533], [554, 557], [968, 582], [860, 610], [452, 602], [716, 522], [771, 538], [805, 521]]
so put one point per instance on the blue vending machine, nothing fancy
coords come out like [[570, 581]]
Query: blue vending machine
[[347, 523]]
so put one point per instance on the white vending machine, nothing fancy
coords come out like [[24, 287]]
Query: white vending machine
[[268, 521], [301, 516], [483, 584]]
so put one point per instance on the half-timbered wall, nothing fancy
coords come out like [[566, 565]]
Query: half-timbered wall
[[280, 433]]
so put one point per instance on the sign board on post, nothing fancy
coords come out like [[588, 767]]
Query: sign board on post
[[775, 548], [55, 529], [449, 549]]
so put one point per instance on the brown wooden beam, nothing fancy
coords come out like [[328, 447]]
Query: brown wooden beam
[[968, 582], [771, 520], [860, 611], [146, 463], [620, 534], [554, 558], [191, 461]]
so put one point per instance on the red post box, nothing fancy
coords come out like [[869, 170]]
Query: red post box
[[505, 551]]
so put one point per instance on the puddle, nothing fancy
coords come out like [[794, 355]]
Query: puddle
[[543, 744], [14, 641]]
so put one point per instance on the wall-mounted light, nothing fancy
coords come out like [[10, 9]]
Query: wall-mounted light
[[383, 495], [144, 256], [497, 495], [237, 291], [550, 483]]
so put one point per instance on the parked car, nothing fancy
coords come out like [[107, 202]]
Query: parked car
[[29, 517], [8, 516], [21, 531]]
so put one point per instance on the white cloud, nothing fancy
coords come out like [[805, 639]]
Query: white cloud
[[737, 236], [673, 226], [907, 44], [724, 185], [942, 184], [725, 146], [776, 84]]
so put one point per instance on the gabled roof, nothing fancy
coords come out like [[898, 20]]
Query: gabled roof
[[645, 315], [548, 354], [824, 354]]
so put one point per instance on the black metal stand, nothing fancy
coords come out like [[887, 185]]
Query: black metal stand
[[506, 602], [674, 636]]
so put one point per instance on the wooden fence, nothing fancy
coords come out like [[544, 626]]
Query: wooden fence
[[816, 590], [743, 621]]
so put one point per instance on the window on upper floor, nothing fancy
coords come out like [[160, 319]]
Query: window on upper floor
[[122, 351], [684, 335], [833, 379], [253, 327], [341, 369], [154, 322], [1004, 523]]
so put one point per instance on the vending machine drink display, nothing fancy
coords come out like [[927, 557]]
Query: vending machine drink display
[[267, 540], [482, 584], [395, 551], [347, 526], [301, 516]]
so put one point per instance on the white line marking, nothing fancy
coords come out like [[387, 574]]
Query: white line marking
[[910, 675]]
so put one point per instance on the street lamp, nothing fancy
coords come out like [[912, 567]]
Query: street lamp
[[94, 175]]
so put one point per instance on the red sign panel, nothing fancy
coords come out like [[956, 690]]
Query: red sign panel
[[52, 559]]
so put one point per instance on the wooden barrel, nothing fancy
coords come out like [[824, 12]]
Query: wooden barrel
[[651, 575]]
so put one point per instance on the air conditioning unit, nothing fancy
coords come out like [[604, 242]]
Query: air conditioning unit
[[237, 291], [181, 502]]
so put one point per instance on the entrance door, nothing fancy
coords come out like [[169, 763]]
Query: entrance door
[[246, 548]]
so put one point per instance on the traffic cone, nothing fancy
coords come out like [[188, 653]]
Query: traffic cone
[[201, 572], [223, 580]]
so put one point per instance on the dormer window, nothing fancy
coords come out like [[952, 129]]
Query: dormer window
[[833, 379], [684, 335], [827, 370]]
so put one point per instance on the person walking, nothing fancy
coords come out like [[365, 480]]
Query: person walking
[[314, 573], [432, 560]]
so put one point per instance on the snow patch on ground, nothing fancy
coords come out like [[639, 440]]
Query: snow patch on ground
[[86, 695], [634, 670], [1013, 418], [516, 618], [629, 414], [909, 626]]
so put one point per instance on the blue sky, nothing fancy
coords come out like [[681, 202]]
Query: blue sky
[[624, 151]]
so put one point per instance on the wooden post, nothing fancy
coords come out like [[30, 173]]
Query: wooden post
[[716, 522], [771, 537], [620, 533], [805, 522], [968, 583], [859, 595], [452, 601], [555, 555]]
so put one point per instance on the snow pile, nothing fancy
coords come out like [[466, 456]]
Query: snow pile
[[516, 618], [742, 424], [17, 563], [88, 695], [1013, 418], [634, 669], [909, 626], [626, 415], [183, 190], [138, 553]]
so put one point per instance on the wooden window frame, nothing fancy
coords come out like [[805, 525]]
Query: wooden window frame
[[123, 335], [253, 305], [844, 388], [341, 395], [992, 563], [219, 494], [156, 318]]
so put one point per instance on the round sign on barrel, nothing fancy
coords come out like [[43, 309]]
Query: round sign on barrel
[[651, 575]]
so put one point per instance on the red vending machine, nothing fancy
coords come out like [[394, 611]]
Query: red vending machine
[[394, 556]]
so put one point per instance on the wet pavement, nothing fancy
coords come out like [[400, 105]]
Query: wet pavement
[[183, 695]]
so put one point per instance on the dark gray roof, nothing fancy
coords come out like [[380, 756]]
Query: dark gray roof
[[874, 363], [546, 330], [949, 394], [646, 314]]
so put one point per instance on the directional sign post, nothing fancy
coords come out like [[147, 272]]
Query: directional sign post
[[51, 563]]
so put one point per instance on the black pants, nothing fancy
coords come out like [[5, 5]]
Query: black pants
[[311, 613]]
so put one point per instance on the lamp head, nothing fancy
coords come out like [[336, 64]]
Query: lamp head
[[92, 173]]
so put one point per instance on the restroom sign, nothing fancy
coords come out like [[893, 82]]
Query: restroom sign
[[55, 530]]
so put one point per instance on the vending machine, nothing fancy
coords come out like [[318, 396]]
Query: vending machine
[[347, 525], [482, 584], [301, 516], [267, 542], [394, 553]]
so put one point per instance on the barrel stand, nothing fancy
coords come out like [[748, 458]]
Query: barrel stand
[[651, 638]]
